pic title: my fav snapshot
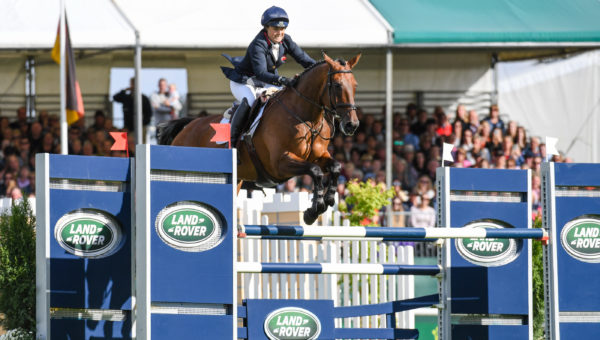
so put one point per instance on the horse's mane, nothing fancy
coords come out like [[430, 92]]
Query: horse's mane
[[318, 63], [307, 70]]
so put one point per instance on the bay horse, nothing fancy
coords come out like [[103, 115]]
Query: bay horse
[[294, 132]]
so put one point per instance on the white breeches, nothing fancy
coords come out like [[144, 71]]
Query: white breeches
[[241, 91]]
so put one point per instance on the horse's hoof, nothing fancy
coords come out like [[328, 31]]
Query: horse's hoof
[[320, 206], [310, 216], [329, 200]]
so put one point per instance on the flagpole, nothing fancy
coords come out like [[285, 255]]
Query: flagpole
[[64, 144]]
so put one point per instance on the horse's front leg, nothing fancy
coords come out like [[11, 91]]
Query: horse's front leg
[[294, 166], [334, 168]]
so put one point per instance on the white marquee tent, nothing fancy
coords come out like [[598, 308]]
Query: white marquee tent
[[560, 99]]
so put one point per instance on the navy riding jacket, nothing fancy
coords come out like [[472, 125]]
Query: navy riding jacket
[[260, 63]]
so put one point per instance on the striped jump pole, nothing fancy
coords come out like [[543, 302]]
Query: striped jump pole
[[385, 233], [336, 268]]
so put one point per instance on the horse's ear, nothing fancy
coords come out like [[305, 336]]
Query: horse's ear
[[352, 62], [328, 60]]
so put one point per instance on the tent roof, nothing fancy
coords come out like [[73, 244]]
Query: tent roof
[[187, 24], [510, 23]]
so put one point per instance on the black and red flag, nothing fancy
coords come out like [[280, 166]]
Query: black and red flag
[[74, 100]]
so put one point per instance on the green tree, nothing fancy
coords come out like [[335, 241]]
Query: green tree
[[364, 201], [17, 267], [538, 285]]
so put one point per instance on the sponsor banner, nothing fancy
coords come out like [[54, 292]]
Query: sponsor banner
[[292, 323], [488, 252], [89, 233], [580, 238], [189, 226]]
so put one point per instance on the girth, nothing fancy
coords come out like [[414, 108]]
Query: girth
[[263, 178]]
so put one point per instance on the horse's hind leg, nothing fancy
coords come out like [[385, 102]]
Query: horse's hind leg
[[294, 166]]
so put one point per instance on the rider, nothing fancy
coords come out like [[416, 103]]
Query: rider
[[257, 70]]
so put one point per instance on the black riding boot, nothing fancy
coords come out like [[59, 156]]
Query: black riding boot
[[238, 121]]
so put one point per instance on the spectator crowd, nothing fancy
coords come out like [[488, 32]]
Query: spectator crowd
[[24, 137], [418, 136]]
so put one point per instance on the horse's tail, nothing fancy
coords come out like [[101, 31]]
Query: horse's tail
[[166, 132]]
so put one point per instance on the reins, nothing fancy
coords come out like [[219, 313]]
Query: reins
[[329, 111]]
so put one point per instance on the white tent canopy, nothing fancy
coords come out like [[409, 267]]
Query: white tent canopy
[[562, 100], [188, 24]]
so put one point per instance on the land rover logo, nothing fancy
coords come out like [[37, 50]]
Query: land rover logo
[[88, 233], [189, 226], [489, 252], [581, 239], [292, 323]]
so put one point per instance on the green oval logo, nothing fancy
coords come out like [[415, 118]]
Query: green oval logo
[[88, 233], [581, 239], [487, 252], [292, 323], [189, 226]]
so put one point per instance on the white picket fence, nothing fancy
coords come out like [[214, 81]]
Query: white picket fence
[[6, 204], [344, 290]]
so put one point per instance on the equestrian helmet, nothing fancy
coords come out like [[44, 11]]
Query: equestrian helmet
[[275, 16]]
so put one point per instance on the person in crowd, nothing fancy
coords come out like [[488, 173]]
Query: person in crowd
[[494, 119], [521, 138], [99, 121], [422, 215], [457, 131], [257, 70], [420, 125], [24, 181], [461, 158], [21, 122], [511, 129], [444, 126], [174, 98], [397, 210], [163, 109], [474, 121], [126, 98], [533, 148], [461, 116], [466, 141], [289, 186], [424, 187]]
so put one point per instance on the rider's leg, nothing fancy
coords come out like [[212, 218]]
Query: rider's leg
[[238, 121], [241, 91]]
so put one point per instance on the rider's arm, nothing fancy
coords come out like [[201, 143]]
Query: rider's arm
[[258, 56], [297, 53]]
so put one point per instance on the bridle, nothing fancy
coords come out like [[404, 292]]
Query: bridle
[[334, 106], [330, 111]]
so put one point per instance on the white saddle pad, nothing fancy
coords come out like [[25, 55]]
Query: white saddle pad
[[225, 120]]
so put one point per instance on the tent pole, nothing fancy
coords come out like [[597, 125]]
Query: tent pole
[[388, 125], [138, 124], [137, 62], [64, 142]]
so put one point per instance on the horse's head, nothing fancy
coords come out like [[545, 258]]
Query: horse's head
[[341, 86]]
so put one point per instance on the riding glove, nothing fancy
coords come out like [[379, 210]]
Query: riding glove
[[286, 81]]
